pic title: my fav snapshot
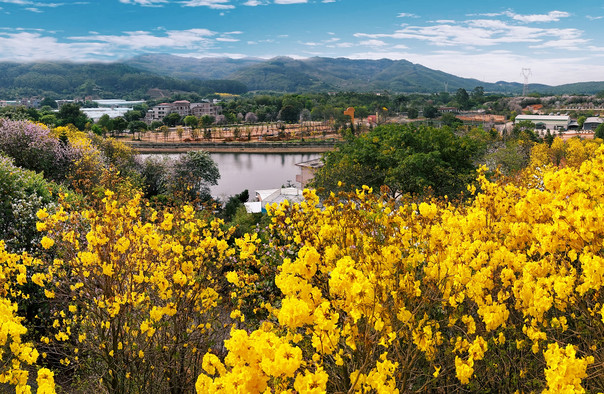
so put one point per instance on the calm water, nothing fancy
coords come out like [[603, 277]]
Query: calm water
[[256, 171]]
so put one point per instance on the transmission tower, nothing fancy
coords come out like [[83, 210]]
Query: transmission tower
[[526, 73]]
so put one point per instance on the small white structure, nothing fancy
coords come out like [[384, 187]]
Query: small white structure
[[96, 113], [551, 122], [308, 170], [267, 197]]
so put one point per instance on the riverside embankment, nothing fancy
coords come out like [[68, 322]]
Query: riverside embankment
[[233, 147]]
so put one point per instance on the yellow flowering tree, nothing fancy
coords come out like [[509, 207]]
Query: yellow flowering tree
[[16, 355], [134, 293], [501, 293]]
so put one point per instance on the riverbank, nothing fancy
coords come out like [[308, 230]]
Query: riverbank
[[232, 147]]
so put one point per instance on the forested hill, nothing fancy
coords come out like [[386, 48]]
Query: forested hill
[[105, 80], [284, 74], [173, 74]]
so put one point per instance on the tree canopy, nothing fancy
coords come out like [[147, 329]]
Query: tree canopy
[[406, 158]]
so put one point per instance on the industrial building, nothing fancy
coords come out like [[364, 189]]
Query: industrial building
[[546, 122]]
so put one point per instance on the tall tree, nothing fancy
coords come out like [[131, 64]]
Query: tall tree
[[405, 158], [463, 98], [71, 114]]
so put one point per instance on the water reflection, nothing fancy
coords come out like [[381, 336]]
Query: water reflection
[[255, 171]]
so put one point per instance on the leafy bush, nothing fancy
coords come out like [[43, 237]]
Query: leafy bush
[[188, 177], [405, 158], [35, 148], [23, 194]]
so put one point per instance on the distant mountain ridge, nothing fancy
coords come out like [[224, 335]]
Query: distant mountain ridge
[[136, 77], [284, 74]]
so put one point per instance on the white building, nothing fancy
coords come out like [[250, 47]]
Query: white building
[[308, 170], [96, 113], [183, 108], [546, 122], [267, 197]]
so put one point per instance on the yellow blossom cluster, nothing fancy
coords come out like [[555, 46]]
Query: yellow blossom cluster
[[499, 292], [133, 291], [503, 292], [15, 354]]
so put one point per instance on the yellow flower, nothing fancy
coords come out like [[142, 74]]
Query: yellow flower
[[47, 243]]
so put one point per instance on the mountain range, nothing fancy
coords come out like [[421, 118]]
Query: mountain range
[[170, 73], [284, 74]]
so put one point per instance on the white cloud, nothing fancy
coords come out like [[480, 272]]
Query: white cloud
[[226, 39], [328, 1], [254, 3], [214, 4], [566, 44], [34, 6], [290, 1], [373, 43], [138, 40], [593, 18], [406, 15], [480, 32], [145, 3], [552, 16], [26, 47], [214, 54]]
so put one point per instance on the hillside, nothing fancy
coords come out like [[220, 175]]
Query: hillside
[[283, 74], [105, 80], [190, 67], [174, 74]]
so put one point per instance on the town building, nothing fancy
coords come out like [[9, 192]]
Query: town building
[[308, 170], [546, 122], [183, 108], [592, 123], [96, 113]]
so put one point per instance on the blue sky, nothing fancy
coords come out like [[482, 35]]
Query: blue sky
[[560, 41]]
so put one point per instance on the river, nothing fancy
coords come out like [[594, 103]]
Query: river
[[255, 171]]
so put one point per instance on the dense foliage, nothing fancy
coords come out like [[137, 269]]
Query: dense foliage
[[500, 291], [405, 158], [23, 193], [104, 80]]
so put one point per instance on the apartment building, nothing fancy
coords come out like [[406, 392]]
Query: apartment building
[[183, 108]]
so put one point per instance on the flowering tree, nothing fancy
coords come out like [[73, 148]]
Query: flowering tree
[[134, 296], [34, 147], [502, 293]]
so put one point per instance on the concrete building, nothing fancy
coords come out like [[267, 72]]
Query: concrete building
[[592, 123], [273, 196], [546, 122], [183, 108], [307, 171], [96, 113]]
